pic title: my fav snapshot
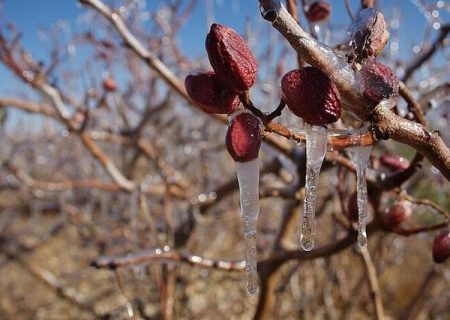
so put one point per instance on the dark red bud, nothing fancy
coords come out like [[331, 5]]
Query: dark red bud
[[394, 162], [378, 82], [368, 34], [396, 214], [109, 84], [318, 11], [311, 95], [231, 58], [352, 208], [441, 247], [243, 138], [208, 93]]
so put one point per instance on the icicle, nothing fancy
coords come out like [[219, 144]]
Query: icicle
[[360, 156], [316, 147], [248, 178], [322, 31]]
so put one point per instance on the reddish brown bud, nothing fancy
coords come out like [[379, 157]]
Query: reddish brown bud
[[311, 95], [378, 82], [109, 84], [394, 162], [368, 34], [441, 247], [318, 11], [231, 58], [208, 93], [396, 214], [352, 208], [243, 138]]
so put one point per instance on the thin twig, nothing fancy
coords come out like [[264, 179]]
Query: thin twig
[[165, 254], [375, 293], [428, 203], [409, 70]]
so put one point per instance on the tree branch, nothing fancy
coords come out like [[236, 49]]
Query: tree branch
[[386, 124]]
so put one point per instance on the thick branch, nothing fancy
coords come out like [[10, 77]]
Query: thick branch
[[389, 125]]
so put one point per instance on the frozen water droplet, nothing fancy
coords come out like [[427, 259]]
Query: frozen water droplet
[[360, 156], [316, 147], [248, 178]]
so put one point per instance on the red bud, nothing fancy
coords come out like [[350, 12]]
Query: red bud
[[378, 82], [311, 95], [231, 58], [368, 34], [243, 138], [318, 11], [208, 93], [396, 214], [394, 162], [109, 84], [441, 247]]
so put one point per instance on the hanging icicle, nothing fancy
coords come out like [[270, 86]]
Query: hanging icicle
[[360, 156], [316, 147], [243, 141], [313, 96]]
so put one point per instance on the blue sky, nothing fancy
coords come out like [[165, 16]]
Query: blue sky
[[30, 16]]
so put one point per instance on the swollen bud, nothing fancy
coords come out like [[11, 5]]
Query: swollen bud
[[441, 247], [109, 84], [368, 35], [394, 162], [378, 82], [396, 214], [318, 11], [231, 58], [310, 94], [208, 93], [243, 138]]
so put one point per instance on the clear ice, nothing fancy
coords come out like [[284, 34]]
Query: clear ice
[[316, 147], [248, 178], [360, 156]]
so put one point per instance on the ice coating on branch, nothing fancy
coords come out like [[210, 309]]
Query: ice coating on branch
[[248, 178], [316, 147], [360, 156]]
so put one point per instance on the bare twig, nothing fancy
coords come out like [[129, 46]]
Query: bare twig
[[409, 71], [375, 293], [428, 203], [165, 254]]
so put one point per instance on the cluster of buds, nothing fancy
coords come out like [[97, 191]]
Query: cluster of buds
[[368, 37], [235, 71], [218, 91]]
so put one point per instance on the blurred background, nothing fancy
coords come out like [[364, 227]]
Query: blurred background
[[115, 191]]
